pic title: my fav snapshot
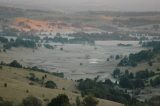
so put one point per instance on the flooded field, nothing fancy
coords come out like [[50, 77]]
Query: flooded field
[[75, 60]]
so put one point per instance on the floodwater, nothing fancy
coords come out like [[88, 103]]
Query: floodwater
[[75, 60]]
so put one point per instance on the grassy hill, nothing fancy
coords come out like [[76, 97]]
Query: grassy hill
[[18, 87]]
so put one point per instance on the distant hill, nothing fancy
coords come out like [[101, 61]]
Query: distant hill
[[11, 12]]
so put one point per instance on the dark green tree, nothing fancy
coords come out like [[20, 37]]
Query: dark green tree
[[31, 101], [116, 73], [50, 84], [60, 100], [78, 102], [14, 63], [90, 101]]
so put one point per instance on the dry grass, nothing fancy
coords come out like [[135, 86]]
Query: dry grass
[[17, 84]]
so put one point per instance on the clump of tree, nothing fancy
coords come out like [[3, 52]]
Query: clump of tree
[[156, 27], [152, 44], [90, 101], [125, 82], [144, 55], [61, 74], [78, 101], [50, 84], [14, 63], [60, 100], [9, 31], [74, 40], [155, 82], [154, 101], [63, 100], [3, 40], [31, 101], [105, 90], [102, 36], [116, 73], [48, 46], [20, 43], [131, 81], [144, 74], [35, 68], [5, 84], [134, 59], [33, 77], [29, 36], [5, 103]]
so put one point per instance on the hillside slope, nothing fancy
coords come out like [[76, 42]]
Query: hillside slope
[[18, 84]]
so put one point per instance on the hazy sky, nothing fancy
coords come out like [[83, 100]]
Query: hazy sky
[[81, 5]]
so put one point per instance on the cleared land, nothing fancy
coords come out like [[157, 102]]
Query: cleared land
[[68, 61]]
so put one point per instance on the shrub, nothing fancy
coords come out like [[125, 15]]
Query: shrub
[[50, 84], [61, 49], [5, 103], [1, 67], [81, 64], [125, 83], [90, 101], [78, 102], [154, 101], [27, 91], [14, 63], [116, 73], [133, 59], [60, 100], [155, 81], [48, 46], [144, 74], [61, 74], [32, 77], [158, 69], [5, 84], [128, 83], [117, 57], [103, 90], [150, 63], [4, 50], [31, 101]]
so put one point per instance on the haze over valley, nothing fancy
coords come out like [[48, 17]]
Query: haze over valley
[[85, 5], [79, 53]]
